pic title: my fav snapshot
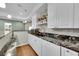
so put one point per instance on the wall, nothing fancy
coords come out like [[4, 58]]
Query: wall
[[16, 25], [70, 32], [1, 27]]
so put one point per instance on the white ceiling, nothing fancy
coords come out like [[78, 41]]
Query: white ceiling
[[42, 10], [19, 11]]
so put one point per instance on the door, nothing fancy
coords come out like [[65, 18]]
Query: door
[[64, 12]]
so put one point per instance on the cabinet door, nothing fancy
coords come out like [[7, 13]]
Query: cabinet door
[[64, 15], [50, 49], [68, 52], [76, 15], [53, 50], [52, 22], [37, 46], [44, 50], [31, 41]]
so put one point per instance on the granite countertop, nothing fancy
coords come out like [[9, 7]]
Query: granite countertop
[[60, 42], [5, 43], [1, 36], [6, 47]]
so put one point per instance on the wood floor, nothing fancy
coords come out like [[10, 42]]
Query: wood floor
[[25, 50]]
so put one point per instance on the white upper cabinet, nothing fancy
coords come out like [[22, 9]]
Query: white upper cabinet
[[52, 21], [64, 15], [76, 15], [60, 15]]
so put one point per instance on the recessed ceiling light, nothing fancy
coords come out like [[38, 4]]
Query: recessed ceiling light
[[9, 16]]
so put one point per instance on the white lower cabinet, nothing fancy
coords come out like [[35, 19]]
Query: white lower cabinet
[[45, 48], [35, 44], [50, 49], [30, 40], [68, 52]]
